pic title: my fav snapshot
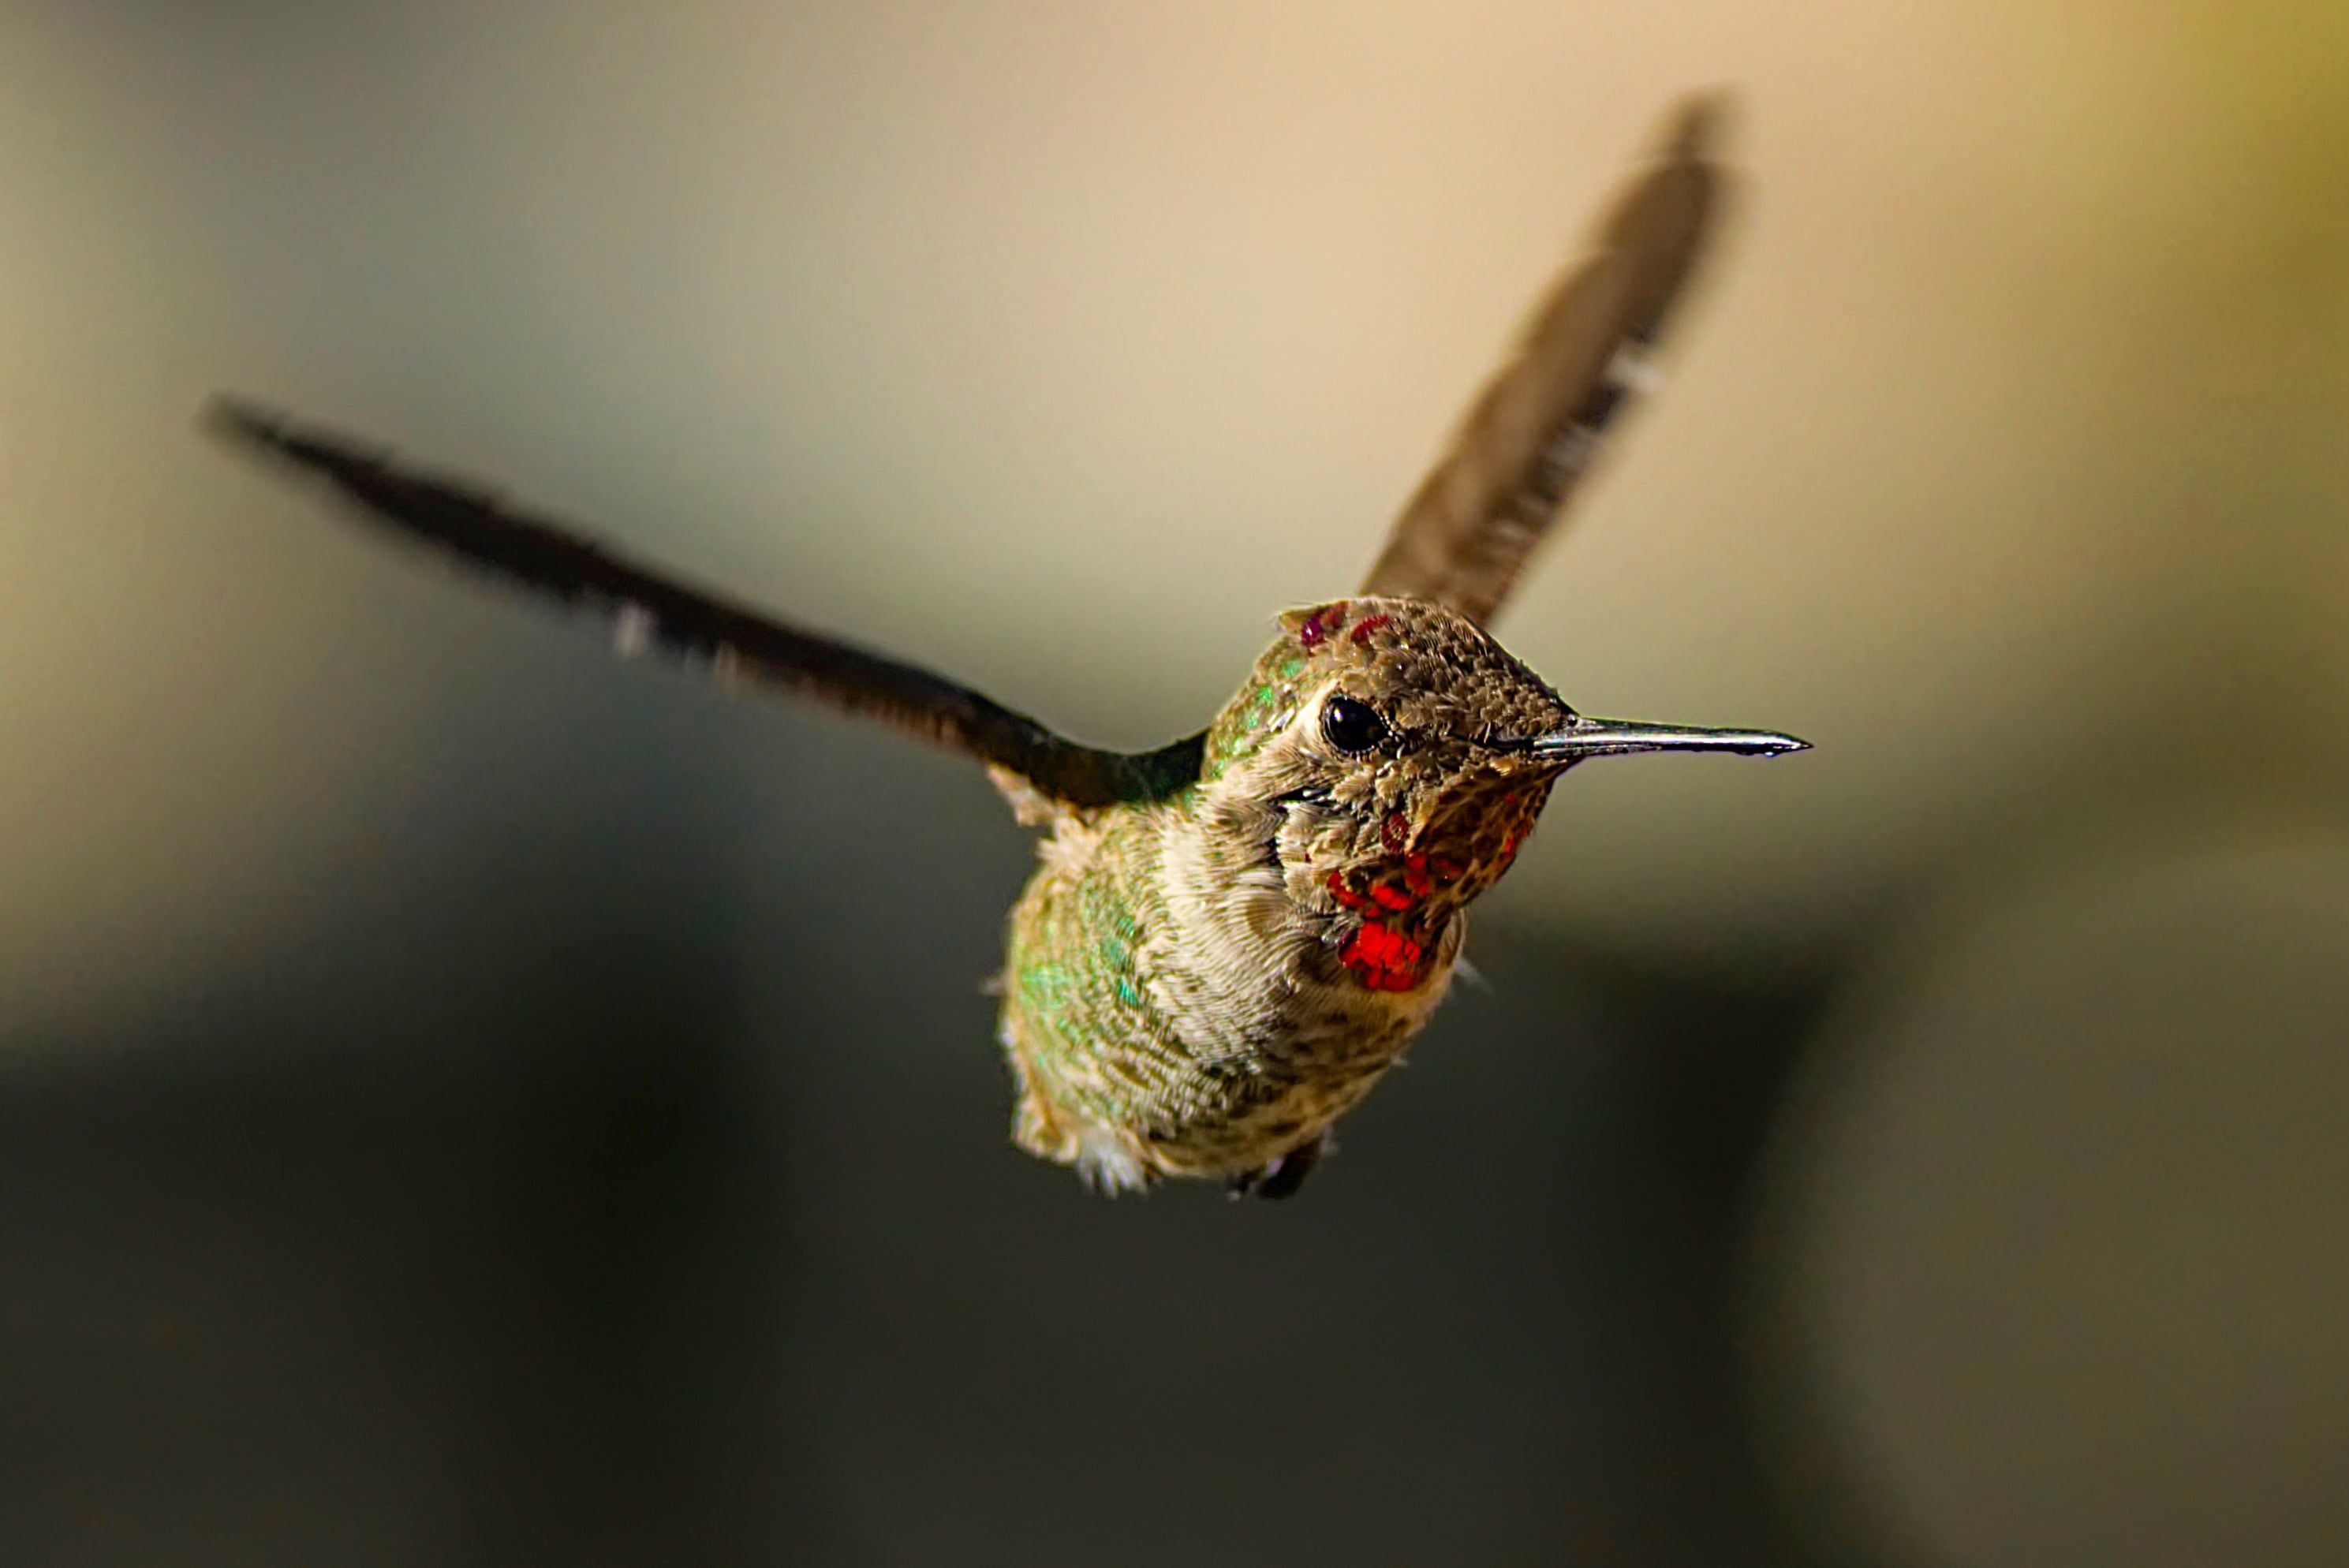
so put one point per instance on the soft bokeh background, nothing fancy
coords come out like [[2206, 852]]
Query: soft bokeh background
[[463, 1101]]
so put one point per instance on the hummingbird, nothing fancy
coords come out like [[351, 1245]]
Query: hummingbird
[[1229, 940]]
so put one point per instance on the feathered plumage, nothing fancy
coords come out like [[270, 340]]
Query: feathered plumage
[[1531, 434]]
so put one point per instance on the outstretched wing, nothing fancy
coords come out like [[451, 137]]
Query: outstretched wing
[[646, 610], [1532, 432]]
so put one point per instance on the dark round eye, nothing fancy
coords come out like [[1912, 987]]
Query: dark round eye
[[1353, 728]]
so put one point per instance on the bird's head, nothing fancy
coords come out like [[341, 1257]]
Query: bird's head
[[1386, 759]]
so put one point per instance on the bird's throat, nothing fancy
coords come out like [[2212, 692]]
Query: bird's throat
[[1389, 912], [1394, 926]]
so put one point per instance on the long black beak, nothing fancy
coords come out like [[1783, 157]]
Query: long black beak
[[1618, 737]]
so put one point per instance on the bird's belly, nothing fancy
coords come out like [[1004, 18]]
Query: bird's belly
[[1290, 1090], [1160, 1025], [1129, 1093]]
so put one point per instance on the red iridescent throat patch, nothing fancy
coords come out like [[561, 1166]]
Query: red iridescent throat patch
[[1404, 898]]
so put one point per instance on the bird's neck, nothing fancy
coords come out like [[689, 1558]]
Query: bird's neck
[[1239, 882]]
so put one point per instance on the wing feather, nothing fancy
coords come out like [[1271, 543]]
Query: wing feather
[[1534, 429], [647, 609]]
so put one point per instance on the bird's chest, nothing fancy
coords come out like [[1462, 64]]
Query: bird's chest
[[1269, 1066], [1276, 992], [1189, 1001]]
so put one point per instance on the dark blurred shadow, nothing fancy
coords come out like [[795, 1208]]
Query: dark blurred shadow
[[511, 1219]]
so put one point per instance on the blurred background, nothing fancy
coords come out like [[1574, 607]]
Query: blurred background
[[466, 1100]]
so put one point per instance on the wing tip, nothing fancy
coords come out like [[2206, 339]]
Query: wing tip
[[1695, 127], [256, 428], [243, 422]]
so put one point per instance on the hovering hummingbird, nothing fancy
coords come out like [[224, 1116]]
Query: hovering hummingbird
[[1230, 939]]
